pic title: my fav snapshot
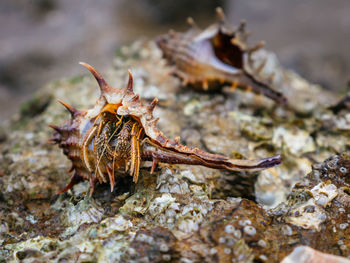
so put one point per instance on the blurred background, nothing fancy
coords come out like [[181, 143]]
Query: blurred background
[[43, 40]]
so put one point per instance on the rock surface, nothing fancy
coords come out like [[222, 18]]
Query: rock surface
[[182, 213], [305, 254]]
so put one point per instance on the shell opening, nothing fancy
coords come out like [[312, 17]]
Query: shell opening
[[226, 51]]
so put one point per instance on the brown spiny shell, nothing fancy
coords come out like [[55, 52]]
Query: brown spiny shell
[[217, 56], [118, 133]]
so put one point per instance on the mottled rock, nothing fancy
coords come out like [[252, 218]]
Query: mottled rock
[[182, 213], [153, 245]]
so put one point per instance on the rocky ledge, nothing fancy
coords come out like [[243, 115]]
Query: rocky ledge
[[183, 213]]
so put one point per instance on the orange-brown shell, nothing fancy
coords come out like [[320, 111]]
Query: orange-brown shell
[[74, 137], [131, 105], [217, 56]]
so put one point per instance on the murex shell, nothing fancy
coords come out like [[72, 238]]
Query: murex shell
[[118, 133], [217, 56]]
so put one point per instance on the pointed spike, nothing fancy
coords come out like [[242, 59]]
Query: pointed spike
[[154, 165], [56, 128], [270, 162], [73, 111], [54, 140], [104, 87], [73, 181], [135, 98], [242, 25], [129, 86], [111, 178], [152, 105], [155, 120], [220, 14], [256, 47], [235, 41], [191, 22]]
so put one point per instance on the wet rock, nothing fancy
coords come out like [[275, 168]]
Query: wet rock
[[182, 213], [83, 212], [153, 245], [295, 141]]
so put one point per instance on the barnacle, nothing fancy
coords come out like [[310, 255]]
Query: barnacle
[[217, 56], [119, 133]]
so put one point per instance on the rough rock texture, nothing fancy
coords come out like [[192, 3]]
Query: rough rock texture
[[182, 213], [305, 254]]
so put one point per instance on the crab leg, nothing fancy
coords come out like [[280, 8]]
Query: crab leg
[[135, 152], [98, 165], [92, 185], [110, 171], [111, 176], [99, 158], [137, 169], [74, 180], [101, 177], [87, 141]]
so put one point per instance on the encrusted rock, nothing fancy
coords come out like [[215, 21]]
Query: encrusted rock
[[182, 213]]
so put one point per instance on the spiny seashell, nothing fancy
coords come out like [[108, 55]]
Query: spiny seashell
[[217, 56], [118, 133]]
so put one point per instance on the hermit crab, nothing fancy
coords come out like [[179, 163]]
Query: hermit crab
[[114, 137], [216, 57]]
